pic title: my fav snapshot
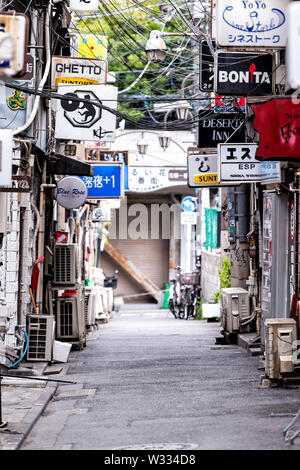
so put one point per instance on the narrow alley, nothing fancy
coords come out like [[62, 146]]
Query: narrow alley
[[148, 381]]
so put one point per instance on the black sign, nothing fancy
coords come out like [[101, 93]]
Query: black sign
[[219, 128], [96, 154], [206, 67], [244, 73]]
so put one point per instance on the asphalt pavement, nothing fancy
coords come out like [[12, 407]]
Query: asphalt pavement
[[148, 381]]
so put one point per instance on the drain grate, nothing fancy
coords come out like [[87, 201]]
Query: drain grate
[[161, 446]]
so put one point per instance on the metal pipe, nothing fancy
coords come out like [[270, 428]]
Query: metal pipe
[[41, 233], [20, 270]]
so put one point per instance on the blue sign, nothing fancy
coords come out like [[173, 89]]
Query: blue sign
[[189, 204], [107, 182]]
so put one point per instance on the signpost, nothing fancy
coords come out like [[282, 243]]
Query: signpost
[[254, 24], [206, 67], [91, 46], [151, 178], [71, 192], [214, 130], [202, 170], [107, 182], [278, 124], [97, 154], [238, 163], [86, 119], [244, 73], [75, 71]]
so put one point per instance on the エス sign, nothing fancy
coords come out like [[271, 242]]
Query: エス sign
[[71, 192], [252, 23], [86, 112]]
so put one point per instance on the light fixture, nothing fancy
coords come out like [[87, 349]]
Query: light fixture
[[156, 47], [183, 111], [164, 140], [142, 146]]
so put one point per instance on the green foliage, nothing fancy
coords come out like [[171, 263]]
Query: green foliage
[[225, 279], [127, 27], [198, 315]]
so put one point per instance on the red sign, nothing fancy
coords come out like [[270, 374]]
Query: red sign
[[61, 237], [278, 124]]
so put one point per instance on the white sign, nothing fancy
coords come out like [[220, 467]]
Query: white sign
[[202, 170], [84, 5], [293, 45], [151, 178], [71, 192], [75, 71], [250, 23], [6, 151], [189, 218], [81, 116], [238, 163]]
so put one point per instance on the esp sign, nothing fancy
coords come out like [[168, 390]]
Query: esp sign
[[238, 163]]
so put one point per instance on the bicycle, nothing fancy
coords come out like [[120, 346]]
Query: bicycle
[[174, 296], [190, 293]]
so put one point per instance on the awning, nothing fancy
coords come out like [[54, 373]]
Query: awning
[[61, 165]]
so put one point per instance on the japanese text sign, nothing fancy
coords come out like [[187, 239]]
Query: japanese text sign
[[107, 182], [252, 23]]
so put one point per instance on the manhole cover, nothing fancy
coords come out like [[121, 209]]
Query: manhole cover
[[163, 446]]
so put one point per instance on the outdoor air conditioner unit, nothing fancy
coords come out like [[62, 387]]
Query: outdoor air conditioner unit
[[40, 337], [66, 264], [235, 308], [280, 338], [89, 308], [70, 318]]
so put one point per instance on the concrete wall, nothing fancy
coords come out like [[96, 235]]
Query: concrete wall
[[210, 282]]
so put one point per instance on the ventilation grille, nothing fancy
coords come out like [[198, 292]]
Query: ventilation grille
[[66, 322], [65, 264], [40, 333]]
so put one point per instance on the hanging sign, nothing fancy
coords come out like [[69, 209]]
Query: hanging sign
[[75, 71], [71, 192], [97, 154], [278, 124], [107, 182], [6, 151], [238, 163], [91, 46], [244, 73], [84, 5], [206, 67], [202, 170], [247, 23], [226, 104], [214, 130], [86, 119], [151, 178]]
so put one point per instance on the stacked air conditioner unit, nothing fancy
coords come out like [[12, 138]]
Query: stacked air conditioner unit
[[70, 317], [40, 331], [280, 344], [89, 308], [66, 264], [235, 309], [70, 310]]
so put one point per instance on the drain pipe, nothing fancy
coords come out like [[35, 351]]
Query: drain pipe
[[41, 238]]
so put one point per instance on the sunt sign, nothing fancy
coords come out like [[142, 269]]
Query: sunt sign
[[243, 73]]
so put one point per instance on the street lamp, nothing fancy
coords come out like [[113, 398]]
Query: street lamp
[[164, 140], [142, 146], [156, 47]]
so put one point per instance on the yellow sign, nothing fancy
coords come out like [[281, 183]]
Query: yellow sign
[[76, 81], [207, 179], [91, 46]]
